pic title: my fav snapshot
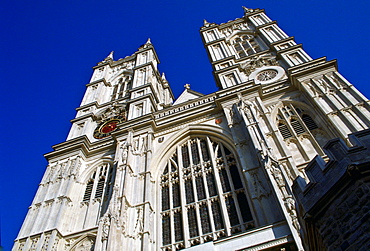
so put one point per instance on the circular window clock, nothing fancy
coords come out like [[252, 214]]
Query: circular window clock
[[266, 75], [106, 127]]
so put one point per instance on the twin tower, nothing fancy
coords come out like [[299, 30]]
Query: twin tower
[[142, 171]]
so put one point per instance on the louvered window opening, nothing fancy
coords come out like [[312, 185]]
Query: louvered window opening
[[284, 130], [293, 119], [297, 126], [202, 195], [311, 125], [88, 190], [99, 185]]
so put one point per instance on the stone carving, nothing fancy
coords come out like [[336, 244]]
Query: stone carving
[[258, 188], [287, 198], [55, 245], [105, 227], [290, 206], [46, 243], [247, 10], [207, 24], [75, 166], [122, 153], [234, 115], [115, 109], [34, 243], [139, 145], [49, 177], [86, 244], [21, 246], [139, 225], [258, 62]]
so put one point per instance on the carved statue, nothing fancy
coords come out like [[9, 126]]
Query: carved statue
[[257, 62], [105, 228]]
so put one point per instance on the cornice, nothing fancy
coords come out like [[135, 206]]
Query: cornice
[[309, 67], [82, 144], [98, 81]]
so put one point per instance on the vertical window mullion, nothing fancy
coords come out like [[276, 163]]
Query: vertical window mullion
[[185, 218], [185, 234], [96, 180], [231, 182], [222, 204]]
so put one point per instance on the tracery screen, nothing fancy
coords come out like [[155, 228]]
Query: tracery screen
[[202, 195]]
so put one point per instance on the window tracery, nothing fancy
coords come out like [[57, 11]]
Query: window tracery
[[293, 121], [304, 138], [246, 45], [99, 184], [204, 189]]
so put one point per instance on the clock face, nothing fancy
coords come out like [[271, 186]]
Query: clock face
[[110, 127], [106, 128], [266, 75]]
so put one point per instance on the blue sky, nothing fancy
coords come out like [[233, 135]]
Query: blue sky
[[49, 47]]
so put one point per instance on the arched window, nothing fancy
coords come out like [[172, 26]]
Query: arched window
[[202, 195], [291, 119], [246, 45], [100, 181]]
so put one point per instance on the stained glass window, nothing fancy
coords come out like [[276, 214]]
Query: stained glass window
[[211, 161], [204, 218], [200, 188], [166, 229], [193, 225]]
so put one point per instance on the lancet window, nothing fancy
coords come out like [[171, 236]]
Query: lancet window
[[303, 136], [246, 45], [202, 195], [99, 185], [294, 121]]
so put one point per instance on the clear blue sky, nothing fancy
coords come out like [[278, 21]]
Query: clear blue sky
[[49, 47]]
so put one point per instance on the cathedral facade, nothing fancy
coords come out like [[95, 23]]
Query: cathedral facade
[[142, 171]]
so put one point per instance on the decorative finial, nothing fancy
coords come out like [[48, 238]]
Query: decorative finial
[[205, 23], [187, 86], [247, 10], [148, 41], [109, 57], [163, 76]]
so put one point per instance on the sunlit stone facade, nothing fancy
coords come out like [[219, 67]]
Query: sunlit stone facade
[[142, 171]]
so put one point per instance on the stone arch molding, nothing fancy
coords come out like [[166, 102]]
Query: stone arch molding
[[236, 33], [86, 174], [280, 104], [84, 243], [164, 153]]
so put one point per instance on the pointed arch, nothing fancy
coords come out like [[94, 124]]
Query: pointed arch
[[202, 194], [85, 241]]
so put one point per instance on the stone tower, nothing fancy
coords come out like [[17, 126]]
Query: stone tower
[[142, 171]]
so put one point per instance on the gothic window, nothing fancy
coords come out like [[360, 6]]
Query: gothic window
[[294, 121], [303, 136], [231, 80], [88, 190], [246, 45], [99, 184], [202, 195], [311, 125], [139, 110]]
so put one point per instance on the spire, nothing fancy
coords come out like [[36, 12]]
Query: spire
[[146, 45]]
